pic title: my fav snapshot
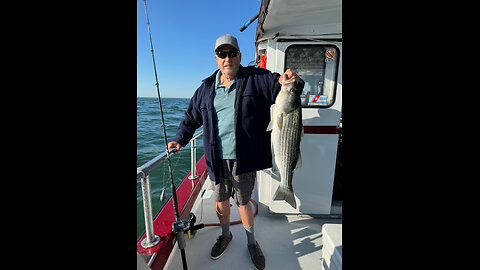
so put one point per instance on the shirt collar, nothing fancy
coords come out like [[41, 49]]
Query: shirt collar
[[217, 80]]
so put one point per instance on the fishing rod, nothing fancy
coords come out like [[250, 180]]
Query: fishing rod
[[179, 226]]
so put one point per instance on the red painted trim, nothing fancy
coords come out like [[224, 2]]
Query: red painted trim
[[187, 192], [321, 130]]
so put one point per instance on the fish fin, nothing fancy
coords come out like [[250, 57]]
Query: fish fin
[[286, 195], [274, 164], [270, 125], [280, 121], [299, 160]]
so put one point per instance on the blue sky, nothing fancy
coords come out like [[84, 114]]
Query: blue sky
[[183, 37]]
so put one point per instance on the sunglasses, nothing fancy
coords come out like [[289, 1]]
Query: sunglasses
[[230, 54]]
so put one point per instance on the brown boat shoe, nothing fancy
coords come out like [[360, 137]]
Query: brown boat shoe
[[256, 255]]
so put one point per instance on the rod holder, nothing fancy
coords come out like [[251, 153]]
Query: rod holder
[[193, 161], [151, 239]]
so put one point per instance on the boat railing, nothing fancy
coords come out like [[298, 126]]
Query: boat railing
[[143, 173]]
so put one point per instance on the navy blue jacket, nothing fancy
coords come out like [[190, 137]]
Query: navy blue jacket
[[256, 91]]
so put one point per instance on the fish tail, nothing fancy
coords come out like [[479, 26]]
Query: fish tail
[[285, 194]]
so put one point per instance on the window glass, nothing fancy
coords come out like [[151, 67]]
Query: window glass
[[317, 66]]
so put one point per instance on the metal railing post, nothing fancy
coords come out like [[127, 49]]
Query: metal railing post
[[193, 161], [143, 173], [151, 239]]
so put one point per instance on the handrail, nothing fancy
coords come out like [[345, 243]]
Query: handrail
[[146, 168], [143, 173]]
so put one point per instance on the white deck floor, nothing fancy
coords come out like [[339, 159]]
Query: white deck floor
[[287, 241]]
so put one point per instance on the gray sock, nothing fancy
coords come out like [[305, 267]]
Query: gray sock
[[250, 235], [225, 229]]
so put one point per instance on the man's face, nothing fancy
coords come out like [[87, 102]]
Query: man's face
[[228, 65]]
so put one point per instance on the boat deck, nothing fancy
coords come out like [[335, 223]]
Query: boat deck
[[287, 241]]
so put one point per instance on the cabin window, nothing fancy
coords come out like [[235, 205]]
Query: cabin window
[[317, 65]]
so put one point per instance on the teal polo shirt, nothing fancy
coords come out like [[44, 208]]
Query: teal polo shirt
[[224, 104]]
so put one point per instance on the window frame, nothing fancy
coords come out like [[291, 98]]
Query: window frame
[[337, 51]]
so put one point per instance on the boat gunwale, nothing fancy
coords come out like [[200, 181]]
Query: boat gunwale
[[187, 193]]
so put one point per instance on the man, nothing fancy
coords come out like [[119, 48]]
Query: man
[[233, 105]]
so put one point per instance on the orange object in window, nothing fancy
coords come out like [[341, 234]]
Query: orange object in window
[[262, 63]]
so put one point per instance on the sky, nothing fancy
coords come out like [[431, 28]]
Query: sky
[[183, 37]]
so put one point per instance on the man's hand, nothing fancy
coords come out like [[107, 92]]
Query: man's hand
[[173, 144], [289, 74]]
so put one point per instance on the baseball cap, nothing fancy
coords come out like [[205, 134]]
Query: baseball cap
[[226, 40]]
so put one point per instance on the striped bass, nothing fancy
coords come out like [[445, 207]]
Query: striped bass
[[287, 131]]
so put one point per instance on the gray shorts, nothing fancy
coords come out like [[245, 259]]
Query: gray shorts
[[239, 187]]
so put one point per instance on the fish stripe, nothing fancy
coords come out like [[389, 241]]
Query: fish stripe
[[286, 135], [290, 132]]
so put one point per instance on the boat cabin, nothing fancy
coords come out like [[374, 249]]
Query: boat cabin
[[307, 38]]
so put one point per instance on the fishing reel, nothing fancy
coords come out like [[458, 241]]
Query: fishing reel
[[187, 226]]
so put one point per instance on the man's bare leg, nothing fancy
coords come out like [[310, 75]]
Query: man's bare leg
[[246, 214], [223, 214]]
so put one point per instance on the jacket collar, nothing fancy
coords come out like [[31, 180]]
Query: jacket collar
[[211, 79]]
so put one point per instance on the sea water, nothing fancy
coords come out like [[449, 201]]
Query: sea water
[[150, 143]]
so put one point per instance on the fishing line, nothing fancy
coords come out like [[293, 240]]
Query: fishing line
[[162, 196], [175, 162], [180, 239], [158, 94]]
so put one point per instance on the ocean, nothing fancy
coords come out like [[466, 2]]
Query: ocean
[[150, 143]]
